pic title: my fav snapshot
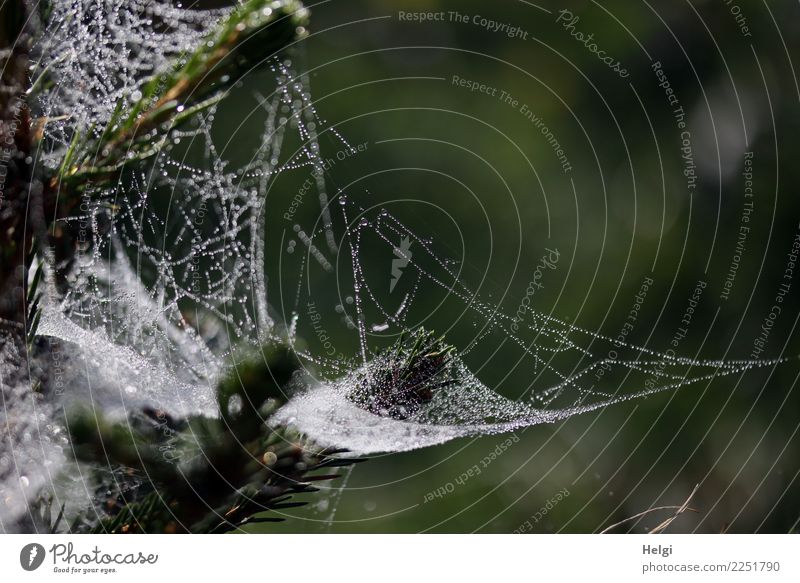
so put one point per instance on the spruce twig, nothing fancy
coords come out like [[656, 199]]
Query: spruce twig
[[219, 474], [244, 41]]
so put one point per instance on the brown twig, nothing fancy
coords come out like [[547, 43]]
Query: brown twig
[[663, 526], [679, 510]]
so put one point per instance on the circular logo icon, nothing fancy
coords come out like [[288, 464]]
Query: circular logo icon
[[31, 556]]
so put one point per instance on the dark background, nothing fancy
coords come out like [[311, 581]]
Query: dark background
[[481, 181]]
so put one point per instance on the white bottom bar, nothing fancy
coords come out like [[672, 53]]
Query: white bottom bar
[[417, 559]]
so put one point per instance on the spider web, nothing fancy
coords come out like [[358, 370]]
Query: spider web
[[169, 291], [557, 359], [168, 282]]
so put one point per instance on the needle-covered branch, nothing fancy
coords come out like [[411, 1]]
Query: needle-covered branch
[[201, 474], [245, 41]]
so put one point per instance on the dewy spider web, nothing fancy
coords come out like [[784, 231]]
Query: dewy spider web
[[185, 357], [180, 283], [168, 280], [559, 356], [91, 55]]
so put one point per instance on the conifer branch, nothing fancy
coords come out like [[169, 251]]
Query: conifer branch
[[201, 474], [244, 41]]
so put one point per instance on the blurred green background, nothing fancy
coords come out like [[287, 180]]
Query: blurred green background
[[471, 173]]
